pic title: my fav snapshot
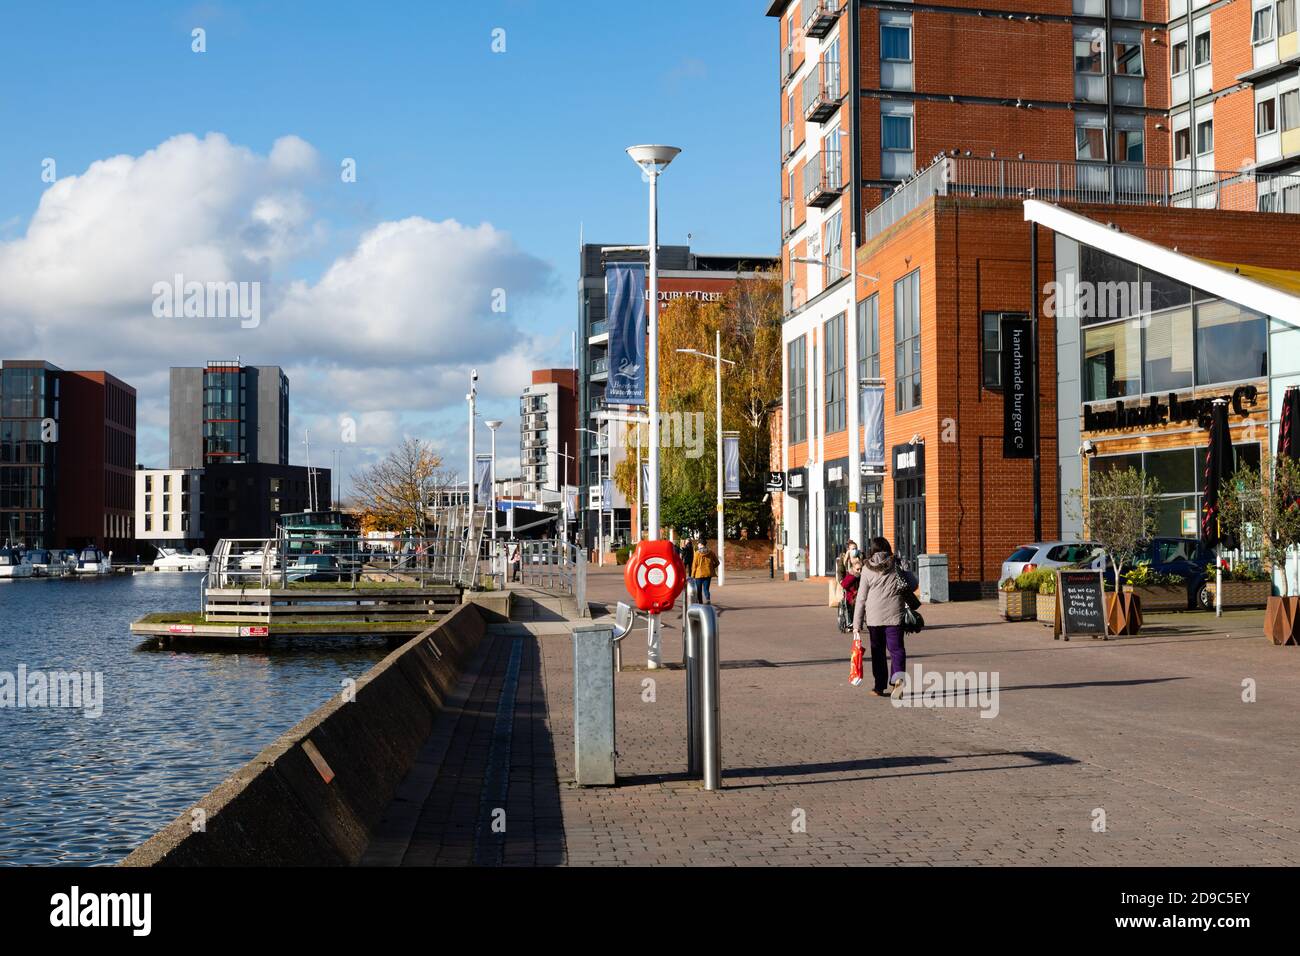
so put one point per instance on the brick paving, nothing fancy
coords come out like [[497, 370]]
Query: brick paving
[[1151, 730]]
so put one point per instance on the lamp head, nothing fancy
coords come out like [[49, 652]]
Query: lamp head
[[654, 158], [494, 424]]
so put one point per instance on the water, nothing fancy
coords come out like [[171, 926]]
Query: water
[[78, 791]]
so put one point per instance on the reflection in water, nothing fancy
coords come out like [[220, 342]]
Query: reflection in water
[[176, 722]]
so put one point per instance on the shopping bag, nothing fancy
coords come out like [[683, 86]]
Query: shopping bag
[[855, 663]]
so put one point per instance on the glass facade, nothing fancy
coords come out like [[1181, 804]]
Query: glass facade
[[1144, 333], [29, 415], [225, 402]]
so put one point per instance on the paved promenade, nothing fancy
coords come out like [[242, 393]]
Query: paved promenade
[[1150, 732]]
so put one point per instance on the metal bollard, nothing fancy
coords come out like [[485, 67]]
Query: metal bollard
[[691, 661], [704, 720]]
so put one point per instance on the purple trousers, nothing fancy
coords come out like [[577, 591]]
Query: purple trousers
[[890, 636]]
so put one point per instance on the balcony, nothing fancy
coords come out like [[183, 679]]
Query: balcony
[[819, 16], [600, 367], [787, 64], [787, 140], [821, 92], [822, 179], [1115, 183]]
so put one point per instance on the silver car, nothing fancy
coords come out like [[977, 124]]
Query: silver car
[[1050, 554]]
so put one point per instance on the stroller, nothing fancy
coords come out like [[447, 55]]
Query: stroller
[[850, 596]]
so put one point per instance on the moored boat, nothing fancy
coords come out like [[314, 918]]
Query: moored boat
[[12, 564]]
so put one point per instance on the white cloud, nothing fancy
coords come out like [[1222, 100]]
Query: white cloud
[[385, 333]]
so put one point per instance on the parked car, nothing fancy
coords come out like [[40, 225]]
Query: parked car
[[1050, 554], [1182, 556]]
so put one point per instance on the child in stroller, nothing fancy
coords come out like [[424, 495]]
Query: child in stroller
[[849, 585]]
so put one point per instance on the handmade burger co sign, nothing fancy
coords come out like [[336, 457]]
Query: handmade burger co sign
[[1170, 410]]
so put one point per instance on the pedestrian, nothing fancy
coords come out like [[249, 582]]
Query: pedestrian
[[514, 560], [703, 567], [883, 589], [686, 553]]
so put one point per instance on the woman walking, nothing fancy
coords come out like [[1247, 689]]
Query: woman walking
[[703, 568], [883, 588]]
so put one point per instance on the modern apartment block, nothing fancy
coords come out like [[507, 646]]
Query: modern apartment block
[[169, 507], [229, 412], [892, 112], [682, 273], [548, 437], [67, 457]]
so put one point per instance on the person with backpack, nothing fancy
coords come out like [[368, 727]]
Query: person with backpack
[[884, 590]]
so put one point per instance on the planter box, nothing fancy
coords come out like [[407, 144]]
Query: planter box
[[1123, 613], [1160, 597], [1017, 605], [1282, 620], [1243, 593], [1045, 609]]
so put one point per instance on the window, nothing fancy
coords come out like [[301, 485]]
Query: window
[[896, 131], [1112, 361], [869, 338], [1204, 137], [907, 342], [896, 43], [1182, 143], [992, 346], [833, 245], [1129, 145], [1090, 139], [835, 405], [1167, 350], [1128, 53], [1178, 58], [1290, 110], [1202, 52], [1266, 117], [796, 381], [1231, 343], [1088, 47], [1286, 21], [1261, 30]]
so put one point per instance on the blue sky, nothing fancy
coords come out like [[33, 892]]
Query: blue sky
[[529, 142]]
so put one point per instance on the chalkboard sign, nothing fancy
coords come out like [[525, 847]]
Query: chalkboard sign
[[1080, 604]]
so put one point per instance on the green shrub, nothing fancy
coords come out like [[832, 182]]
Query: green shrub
[[1144, 576], [622, 554], [1009, 585], [1047, 582], [1242, 572]]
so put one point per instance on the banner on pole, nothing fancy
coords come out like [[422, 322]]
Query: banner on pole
[[645, 480], [731, 464], [1017, 380], [483, 477], [570, 503], [873, 417], [626, 312], [606, 495]]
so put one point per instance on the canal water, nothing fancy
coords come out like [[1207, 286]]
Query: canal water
[[79, 790]]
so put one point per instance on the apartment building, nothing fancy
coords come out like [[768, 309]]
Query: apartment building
[[884, 103], [168, 507], [548, 439], [682, 273], [67, 456], [229, 412]]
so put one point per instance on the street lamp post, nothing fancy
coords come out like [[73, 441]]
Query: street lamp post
[[469, 475], [717, 362], [856, 530], [653, 160], [493, 425]]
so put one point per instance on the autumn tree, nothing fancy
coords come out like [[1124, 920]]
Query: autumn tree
[[394, 493]]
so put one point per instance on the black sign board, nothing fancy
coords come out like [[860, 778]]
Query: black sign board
[[776, 481], [796, 481], [1080, 604], [909, 460], [1017, 388]]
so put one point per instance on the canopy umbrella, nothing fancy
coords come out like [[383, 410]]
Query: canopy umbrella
[[1218, 468], [1288, 432]]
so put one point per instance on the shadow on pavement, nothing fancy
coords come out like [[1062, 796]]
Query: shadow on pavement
[[1037, 759]]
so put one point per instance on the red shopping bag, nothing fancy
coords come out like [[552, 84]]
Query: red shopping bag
[[855, 663]]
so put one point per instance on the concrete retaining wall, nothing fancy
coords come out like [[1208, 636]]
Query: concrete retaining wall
[[314, 796]]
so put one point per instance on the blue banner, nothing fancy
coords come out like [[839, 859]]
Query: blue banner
[[625, 310], [873, 417], [731, 464], [607, 495]]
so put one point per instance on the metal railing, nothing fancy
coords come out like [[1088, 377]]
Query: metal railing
[[821, 91], [821, 176], [1114, 183], [554, 565]]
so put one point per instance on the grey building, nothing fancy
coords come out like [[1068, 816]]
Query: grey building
[[228, 412]]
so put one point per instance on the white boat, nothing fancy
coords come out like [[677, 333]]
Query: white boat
[[90, 560], [45, 563], [171, 559], [12, 565]]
